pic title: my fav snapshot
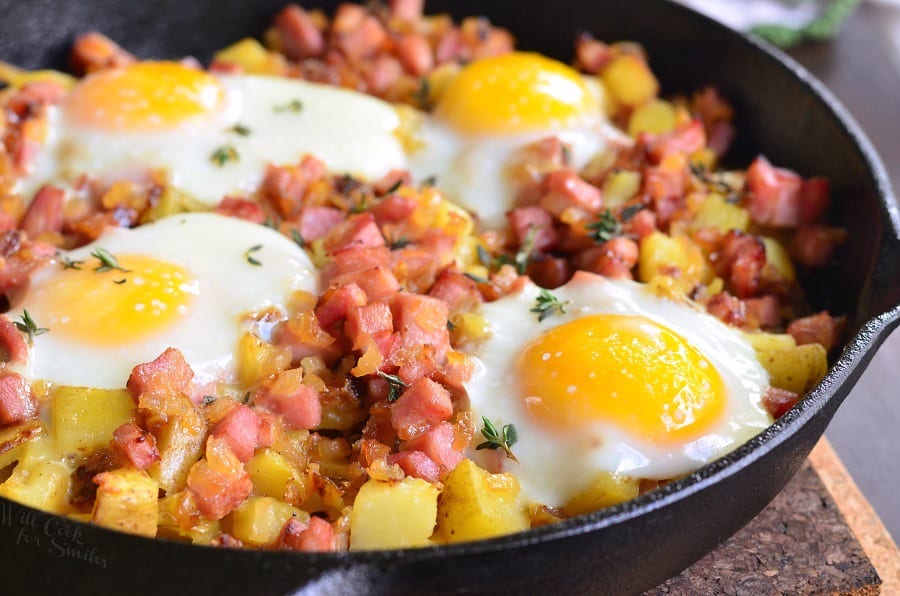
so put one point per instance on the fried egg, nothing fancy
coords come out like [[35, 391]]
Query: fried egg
[[188, 281], [494, 108], [623, 381], [213, 135]]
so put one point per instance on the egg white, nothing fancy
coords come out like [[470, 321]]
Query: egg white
[[350, 132], [554, 465], [226, 288]]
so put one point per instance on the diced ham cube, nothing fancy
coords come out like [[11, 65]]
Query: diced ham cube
[[536, 222], [820, 328], [422, 321], [354, 260], [16, 402], [415, 54], [336, 303], [685, 139], [416, 464], [219, 482], [45, 214], [356, 33], [298, 404], [592, 55], [368, 322], [454, 288], [316, 222], [94, 51], [168, 374], [421, 405], [378, 283], [407, 10], [774, 194], [615, 258], [358, 231], [240, 430], [13, 346], [135, 446], [578, 192], [763, 311], [778, 401], [438, 444], [242, 209], [728, 309], [316, 536], [384, 185], [813, 245], [298, 34]]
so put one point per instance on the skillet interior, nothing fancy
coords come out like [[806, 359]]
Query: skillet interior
[[624, 549]]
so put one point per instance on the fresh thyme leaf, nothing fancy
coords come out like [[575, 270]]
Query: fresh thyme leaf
[[422, 93], [523, 255], [68, 263], [361, 205], [29, 327], [224, 154], [396, 384], [107, 261], [240, 129], [605, 228], [297, 237], [629, 212], [119, 282], [249, 255], [294, 105], [398, 243], [499, 439], [394, 186], [430, 181], [450, 325], [547, 305], [246, 398], [484, 257], [270, 223], [566, 154], [477, 278]]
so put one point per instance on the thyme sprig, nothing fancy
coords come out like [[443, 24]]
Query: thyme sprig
[[224, 154], [108, 262], [605, 228], [523, 255], [397, 385], [295, 105], [499, 439], [29, 327], [248, 254], [547, 305]]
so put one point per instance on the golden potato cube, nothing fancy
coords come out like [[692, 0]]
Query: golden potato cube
[[16, 77], [84, 419], [716, 212], [14, 439], [619, 187], [476, 504], [656, 117], [606, 490], [796, 369], [393, 514], [126, 501], [271, 473], [629, 80], [770, 342], [677, 257], [259, 520], [257, 360], [777, 257], [42, 485], [247, 53], [180, 444]]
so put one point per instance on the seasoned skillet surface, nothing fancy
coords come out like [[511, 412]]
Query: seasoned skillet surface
[[622, 550]]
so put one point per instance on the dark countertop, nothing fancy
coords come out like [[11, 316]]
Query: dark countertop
[[862, 67]]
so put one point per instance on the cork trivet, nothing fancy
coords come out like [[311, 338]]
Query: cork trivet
[[799, 544]]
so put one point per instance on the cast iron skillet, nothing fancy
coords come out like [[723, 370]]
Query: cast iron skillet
[[782, 112]]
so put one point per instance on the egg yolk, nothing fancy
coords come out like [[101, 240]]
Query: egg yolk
[[114, 307], [145, 96], [515, 92], [623, 370]]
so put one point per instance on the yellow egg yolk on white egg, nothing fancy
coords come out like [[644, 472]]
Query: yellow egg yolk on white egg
[[623, 382], [494, 108], [213, 135], [188, 281]]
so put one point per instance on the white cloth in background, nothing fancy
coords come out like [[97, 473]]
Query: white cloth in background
[[746, 14]]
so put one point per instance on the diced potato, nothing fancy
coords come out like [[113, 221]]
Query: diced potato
[[16, 77], [271, 473], [259, 520], [476, 504], [716, 212], [470, 326], [247, 53], [393, 514], [796, 369], [606, 490], [84, 419], [770, 342], [171, 202], [629, 80], [180, 444], [14, 439], [619, 187], [43, 485], [656, 116], [438, 79], [778, 258], [257, 360], [677, 257], [126, 501]]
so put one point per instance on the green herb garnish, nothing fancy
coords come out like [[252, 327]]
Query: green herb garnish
[[523, 255], [240, 129], [224, 154], [249, 255], [396, 383], [605, 228], [503, 439], [297, 237], [292, 106], [29, 327], [107, 261], [547, 305]]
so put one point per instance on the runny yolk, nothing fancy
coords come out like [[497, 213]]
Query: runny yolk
[[624, 370], [143, 97], [112, 308], [513, 93]]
